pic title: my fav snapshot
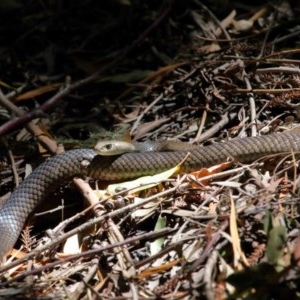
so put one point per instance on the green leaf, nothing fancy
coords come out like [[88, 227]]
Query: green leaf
[[268, 222], [276, 244], [156, 246]]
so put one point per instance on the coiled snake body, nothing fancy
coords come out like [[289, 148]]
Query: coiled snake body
[[63, 167]]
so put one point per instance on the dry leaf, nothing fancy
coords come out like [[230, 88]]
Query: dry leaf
[[39, 91]]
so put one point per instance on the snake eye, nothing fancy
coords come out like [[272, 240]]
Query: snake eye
[[108, 146]]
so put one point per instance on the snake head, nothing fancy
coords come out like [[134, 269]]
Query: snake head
[[114, 147]]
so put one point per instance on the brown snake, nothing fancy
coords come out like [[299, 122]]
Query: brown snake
[[63, 167]]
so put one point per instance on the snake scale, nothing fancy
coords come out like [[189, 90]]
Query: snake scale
[[61, 168]]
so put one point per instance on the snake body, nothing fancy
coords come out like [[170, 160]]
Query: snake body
[[63, 167]]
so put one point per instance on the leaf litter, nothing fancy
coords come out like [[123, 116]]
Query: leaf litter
[[230, 231]]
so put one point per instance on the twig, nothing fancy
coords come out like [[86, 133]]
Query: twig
[[267, 91], [47, 142], [215, 128], [90, 253], [208, 248], [252, 108], [14, 169], [287, 70], [91, 272], [204, 7], [208, 274], [271, 26], [200, 130], [113, 232], [112, 214], [87, 225], [286, 37], [137, 122]]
